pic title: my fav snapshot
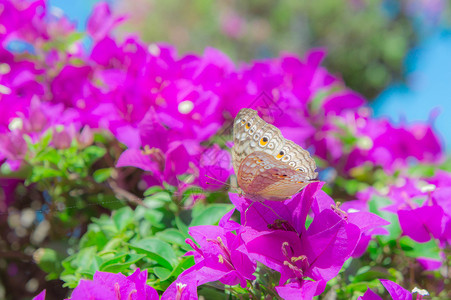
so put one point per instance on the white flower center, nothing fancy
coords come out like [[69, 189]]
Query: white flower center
[[186, 107]]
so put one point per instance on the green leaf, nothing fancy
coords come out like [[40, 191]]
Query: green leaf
[[103, 137], [158, 200], [71, 280], [49, 155], [308, 222], [116, 242], [320, 95], [174, 236], [421, 170], [371, 274], [46, 138], [41, 172], [414, 249], [74, 37], [350, 185], [193, 190], [85, 259], [49, 261], [122, 218], [82, 264], [94, 237], [206, 292], [162, 273], [120, 262], [394, 228], [181, 226], [359, 287], [157, 250], [116, 258], [108, 201], [153, 190], [211, 214], [184, 263], [102, 175], [153, 216], [24, 172], [91, 154]]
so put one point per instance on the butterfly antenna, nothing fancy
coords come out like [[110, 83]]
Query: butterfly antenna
[[225, 183]]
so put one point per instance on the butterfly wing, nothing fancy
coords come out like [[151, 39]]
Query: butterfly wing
[[251, 133], [262, 177], [243, 144]]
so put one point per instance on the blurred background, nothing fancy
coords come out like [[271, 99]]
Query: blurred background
[[393, 52]]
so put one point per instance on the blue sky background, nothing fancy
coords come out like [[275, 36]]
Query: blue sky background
[[428, 70], [77, 11]]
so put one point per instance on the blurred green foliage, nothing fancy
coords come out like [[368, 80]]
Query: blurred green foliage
[[150, 237], [366, 40]]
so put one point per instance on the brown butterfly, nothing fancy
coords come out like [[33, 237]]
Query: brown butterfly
[[268, 166]]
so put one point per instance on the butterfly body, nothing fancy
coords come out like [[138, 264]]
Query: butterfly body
[[268, 166]]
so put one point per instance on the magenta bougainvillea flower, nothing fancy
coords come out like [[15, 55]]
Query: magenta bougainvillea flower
[[41, 296], [24, 20], [297, 252], [164, 167], [396, 145], [109, 286], [293, 211], [215, 167], [34, 120], [319, 253], [13, 148], [396, 292], [357, 213], [101, 21], [422, 206], [370, 295], [218, 257], [419, 204], [275, 235], [423, 223], [295, 290], [185, 287], [115, 286], [369, 224]]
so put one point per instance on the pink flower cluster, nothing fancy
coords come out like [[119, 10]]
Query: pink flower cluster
[[423, 209], [109, 286], [164, 108], [275, 235]]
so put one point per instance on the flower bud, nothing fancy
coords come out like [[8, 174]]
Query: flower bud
[[86, 137], [62, 139]]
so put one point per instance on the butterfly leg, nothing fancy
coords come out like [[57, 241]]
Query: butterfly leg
[[270, 208], [245, 212]]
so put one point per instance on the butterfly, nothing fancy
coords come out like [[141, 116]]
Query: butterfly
[[268, 166]]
